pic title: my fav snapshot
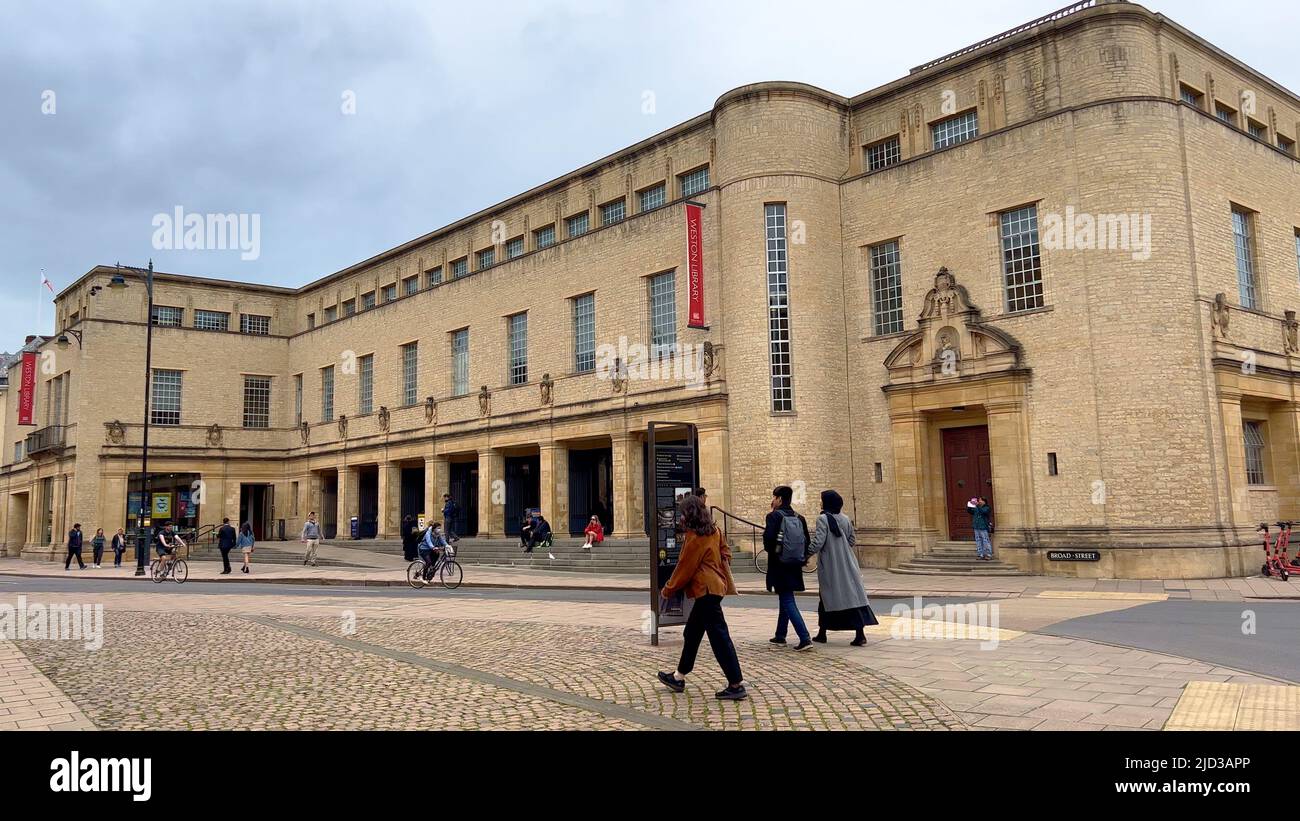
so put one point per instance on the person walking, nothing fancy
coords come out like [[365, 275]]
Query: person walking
[[75, 539], [594, 533], [786, 534], [410, 536], [450, 513], [226, 537], [310, 537], [119, 546], [703, 572], [842, 602], [97, 544], [980, 521], [246, 544]]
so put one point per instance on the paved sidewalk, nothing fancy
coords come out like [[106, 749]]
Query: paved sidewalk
[[387, 570], [29, 700]]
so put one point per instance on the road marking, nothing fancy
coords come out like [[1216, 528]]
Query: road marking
[[593, 705], [1101, 594], [1216, 705]]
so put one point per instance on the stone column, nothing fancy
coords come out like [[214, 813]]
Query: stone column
[[1284, 431], [113, 507], [553, 486], [211, 506], [349, 502], [437, 481], [907, 431], [1234, 459], [1009, 453], [714, 467], [59, 533], [629, 487], [389, 525], [491, 504]]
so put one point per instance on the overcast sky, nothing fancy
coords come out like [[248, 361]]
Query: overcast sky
[[237, 107]]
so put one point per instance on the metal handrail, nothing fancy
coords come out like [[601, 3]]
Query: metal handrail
[[755, 532], [1047, 18]]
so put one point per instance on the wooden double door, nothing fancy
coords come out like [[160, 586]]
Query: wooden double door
[[967, 473]]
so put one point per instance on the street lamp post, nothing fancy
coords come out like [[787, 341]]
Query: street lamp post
[[141, 539]]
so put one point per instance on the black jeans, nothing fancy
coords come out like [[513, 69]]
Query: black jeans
[[99, 554], [706, 617], [225, 559], [73, 551]]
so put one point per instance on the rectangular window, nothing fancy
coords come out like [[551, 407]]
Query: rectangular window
[[663, 313], [879, 472], [1257, 130], [327, 394], [780, 366], [1243, 236], [1225, 113], [1253, 436], [1191, 96], [390, 292], [167, 317], [349, 307], [886, 288], [166, 398], [410, 285], [584, 333], [693, 182], [460, 362], [297, 400], [653, 197], [460, 268], [367, 301], [487, 258], [515, 248], [884, 154], [18, 452], [544, 237], [577, 225], [311, 321], [613, 212], [1286, 145], [955, 130], [1022, 266], [254, 325], [1297, 251], [433, 276], [410, 373], [518, 330], [1052, 469], [257, 401], [56, 406], [366, 384], [331, 314], [211, 321]]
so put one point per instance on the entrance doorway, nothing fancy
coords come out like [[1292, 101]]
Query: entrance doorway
[[412, 503], [257, 506], [16, 533], [367, 502], [523, 490], [463, 488], [328, 514], [967, 473], [591, 488]]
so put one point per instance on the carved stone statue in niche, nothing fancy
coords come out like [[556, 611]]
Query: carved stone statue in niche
[[1290, 343], [710, 359], [343, 426], [484, 401], [547, 386], [431, 410], [115, 432], [1221, 314], [618, 380], [304, 430], [385, 418], [215, 436]]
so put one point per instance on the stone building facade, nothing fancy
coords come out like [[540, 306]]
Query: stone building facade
[[1058, 268]]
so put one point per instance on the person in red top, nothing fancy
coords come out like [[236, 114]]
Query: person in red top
[[595, 533]]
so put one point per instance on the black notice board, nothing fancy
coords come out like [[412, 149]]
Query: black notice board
[[674, 471]]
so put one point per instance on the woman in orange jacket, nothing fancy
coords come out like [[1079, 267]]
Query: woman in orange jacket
[[704, 573]]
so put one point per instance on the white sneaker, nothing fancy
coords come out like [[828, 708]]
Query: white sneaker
[[551, 556]]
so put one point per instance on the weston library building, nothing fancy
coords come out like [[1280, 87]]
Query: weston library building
[[1059, 268]]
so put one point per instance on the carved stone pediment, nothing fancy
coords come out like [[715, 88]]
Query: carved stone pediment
[[951, 341]]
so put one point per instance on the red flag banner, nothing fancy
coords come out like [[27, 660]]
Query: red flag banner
[[695, 265], [27, 389]]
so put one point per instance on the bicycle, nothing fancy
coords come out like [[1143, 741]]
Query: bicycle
[[177, 569], [419, 574], [760, 562]]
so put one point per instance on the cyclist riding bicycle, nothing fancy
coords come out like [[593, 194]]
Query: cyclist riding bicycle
[[431, 548], [168, 541]]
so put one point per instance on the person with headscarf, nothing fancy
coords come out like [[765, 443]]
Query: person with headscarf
[[843, 603]]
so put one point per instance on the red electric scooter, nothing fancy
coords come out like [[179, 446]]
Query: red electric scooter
[[1276, 564]]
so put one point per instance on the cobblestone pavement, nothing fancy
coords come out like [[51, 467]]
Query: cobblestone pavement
[[447, 661]]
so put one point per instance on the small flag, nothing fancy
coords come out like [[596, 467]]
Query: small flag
[[46, 282]]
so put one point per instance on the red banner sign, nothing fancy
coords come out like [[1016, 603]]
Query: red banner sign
[[27, 390], [695, 265]]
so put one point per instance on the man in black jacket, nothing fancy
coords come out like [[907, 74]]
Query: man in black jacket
[[226, 536], [785, 578], [74, 548]]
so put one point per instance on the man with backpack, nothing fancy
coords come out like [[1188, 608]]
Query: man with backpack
[[450, 512], [785, 538]]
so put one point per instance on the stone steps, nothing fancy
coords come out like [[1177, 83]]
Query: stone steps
[[954, 558], [265, 553]]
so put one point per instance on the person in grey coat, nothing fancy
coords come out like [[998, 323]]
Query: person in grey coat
[[843, 603]]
